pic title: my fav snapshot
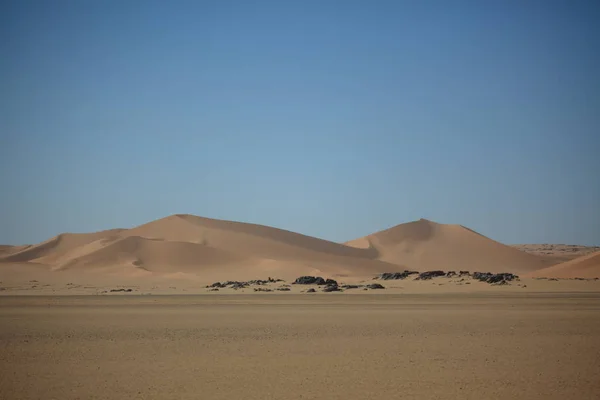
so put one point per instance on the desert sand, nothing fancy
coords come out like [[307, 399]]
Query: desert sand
[[587, 266], [560, 252], [135, 314], [322, 346], [201, 250]]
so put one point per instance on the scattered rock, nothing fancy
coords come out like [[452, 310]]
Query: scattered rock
[[332, 288], [284, 289], [375, 286], [121, 290], [213, 289], [309, 280], [450, 274], [429, 275], [242, 285], [396, 275], [330, 282], [351, 286], [260, 289], [239, 285], [311, 290], [494, 279], [464, 273]]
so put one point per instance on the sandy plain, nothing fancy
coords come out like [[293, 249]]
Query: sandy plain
[[487, 345]]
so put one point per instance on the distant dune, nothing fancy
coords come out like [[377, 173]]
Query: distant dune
[[218, 249], [426, 245], [587, 266], [56, 249], [561, 252]]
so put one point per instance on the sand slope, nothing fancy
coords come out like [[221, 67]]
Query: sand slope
[[587, 266], [244, 238], [214, 249], [426, 245], [155, 255], [218, 249], [54, 249]]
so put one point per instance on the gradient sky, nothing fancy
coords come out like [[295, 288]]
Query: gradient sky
[[329, 118]]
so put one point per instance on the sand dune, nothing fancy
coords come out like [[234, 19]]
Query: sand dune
[[244, 238], [52, 250], [155, 255], [560, 252], [212, 248], [425, 245], [6, 250], [218, 249], [587, 266]]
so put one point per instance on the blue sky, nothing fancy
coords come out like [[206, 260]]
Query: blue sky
[[329, 118]]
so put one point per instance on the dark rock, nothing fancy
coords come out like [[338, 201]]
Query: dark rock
[[429, 275], [241, 285], [332, 288], [351, 286], [375, 286], [213, 289], [396, 275], [494, 279], [259, 289], [450, 274], [284, 289], [121, 290], [331, 282], [464, 273], [311, 290], [258, 282], [309, 280], [238, 285]]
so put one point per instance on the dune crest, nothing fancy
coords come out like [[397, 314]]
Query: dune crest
[[51, 250], [189, 244], [426, 245]]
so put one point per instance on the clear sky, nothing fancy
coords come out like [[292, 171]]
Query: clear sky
[[329, 118]]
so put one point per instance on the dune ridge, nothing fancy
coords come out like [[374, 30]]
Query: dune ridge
[[587, 266], [189, 244], [425, 245]]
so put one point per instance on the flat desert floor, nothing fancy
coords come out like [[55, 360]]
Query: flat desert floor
[[323, 346]]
